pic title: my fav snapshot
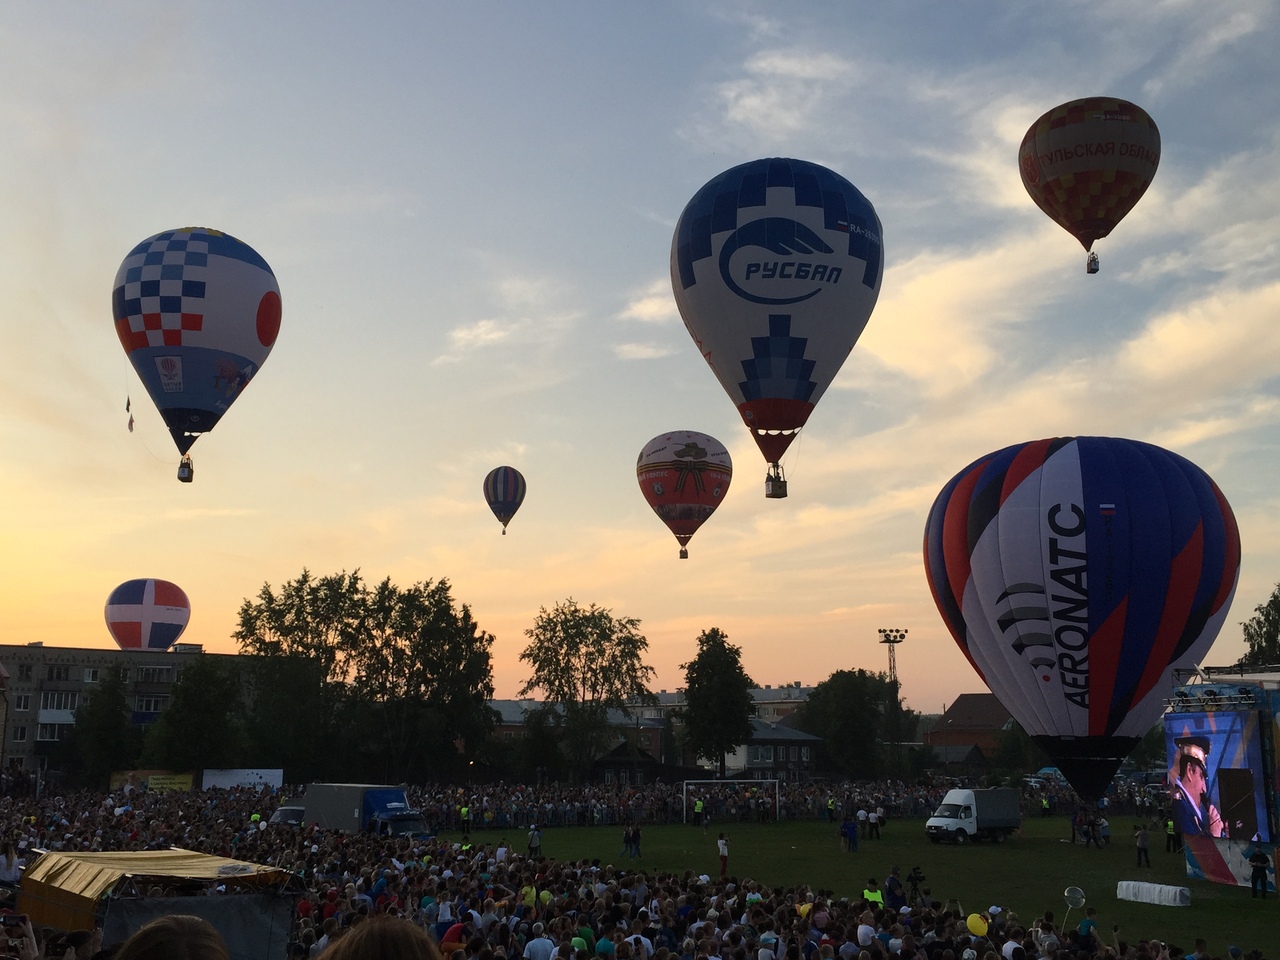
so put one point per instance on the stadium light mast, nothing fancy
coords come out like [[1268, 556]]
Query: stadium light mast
[[891, 637]]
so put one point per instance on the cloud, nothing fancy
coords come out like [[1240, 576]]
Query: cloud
[[653, 304], [1202, 43], [483, 333], [528, 312], [642, 351], [780, 93]]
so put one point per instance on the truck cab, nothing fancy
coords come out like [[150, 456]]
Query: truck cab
[[955, 819]]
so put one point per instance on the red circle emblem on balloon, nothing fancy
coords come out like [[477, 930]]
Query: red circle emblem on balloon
[[269, 312]]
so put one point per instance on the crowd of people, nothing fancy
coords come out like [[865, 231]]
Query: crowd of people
[[481, 898]]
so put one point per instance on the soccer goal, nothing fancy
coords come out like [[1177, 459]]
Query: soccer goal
[[693, 790]]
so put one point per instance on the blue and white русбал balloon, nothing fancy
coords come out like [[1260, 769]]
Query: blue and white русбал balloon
[[1077, 574], [776, 267], [197, 311]]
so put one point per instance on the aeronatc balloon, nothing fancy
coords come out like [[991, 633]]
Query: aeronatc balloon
[[776, 267], [1076, 574], [147, 614], [684, 475], [197, 311], [504, 490], [1087, 162]]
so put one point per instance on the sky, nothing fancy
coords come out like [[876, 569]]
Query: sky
[[469, 210]]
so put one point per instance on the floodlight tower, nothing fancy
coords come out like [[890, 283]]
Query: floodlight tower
[[892, 636]]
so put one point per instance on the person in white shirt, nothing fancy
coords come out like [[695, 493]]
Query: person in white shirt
[[540, 946]]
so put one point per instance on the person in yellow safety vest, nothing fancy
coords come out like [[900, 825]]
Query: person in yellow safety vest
[[465, 815], [697, 811], [1044, 806], [872, 894], [1170, 837], [831, 809]]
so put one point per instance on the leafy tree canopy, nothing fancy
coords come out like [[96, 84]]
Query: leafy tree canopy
[[586, 657], [202, 725], [585, 662], [105, 739], [402, 676], [1262, 633], [718, 705], [848, 710]]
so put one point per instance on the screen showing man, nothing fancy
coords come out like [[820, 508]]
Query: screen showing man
[[1193, 813], [1217, 778]]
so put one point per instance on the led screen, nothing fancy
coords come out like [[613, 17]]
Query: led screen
[[1217, 781]]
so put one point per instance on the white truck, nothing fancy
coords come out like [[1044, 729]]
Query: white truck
[[966, 815]]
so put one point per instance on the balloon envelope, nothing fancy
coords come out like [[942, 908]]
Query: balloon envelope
[[1076, 574], [197, 311], [147, 614], [1087, 162], [684, 475], [504, 490], [776, 267]]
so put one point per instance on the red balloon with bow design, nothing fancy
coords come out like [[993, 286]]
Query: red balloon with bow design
[[684, 475]]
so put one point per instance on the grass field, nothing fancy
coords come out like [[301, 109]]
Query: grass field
[[1026, 874]]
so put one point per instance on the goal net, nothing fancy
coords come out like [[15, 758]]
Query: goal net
[[718, 795]]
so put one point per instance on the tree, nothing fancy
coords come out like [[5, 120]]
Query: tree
[[291, 719], [1262, 633], [105, 739], [848, 711], [586, 662], [425, 670], [718, 704], [396, 675], [309, 618], [1150, 752], [202, 725]]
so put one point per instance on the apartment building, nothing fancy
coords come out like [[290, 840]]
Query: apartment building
[[43, 687]]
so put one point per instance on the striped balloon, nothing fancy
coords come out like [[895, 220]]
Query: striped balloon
[[1077, 574], [504, 490], [147, 614]]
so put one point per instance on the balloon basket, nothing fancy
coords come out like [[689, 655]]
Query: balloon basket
[[1091, 264], [186, 470], [684, 553], [775, 484]]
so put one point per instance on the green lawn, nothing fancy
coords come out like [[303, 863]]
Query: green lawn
[[1027, 874]]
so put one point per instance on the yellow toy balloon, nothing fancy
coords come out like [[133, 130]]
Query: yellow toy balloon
[[977, 926]]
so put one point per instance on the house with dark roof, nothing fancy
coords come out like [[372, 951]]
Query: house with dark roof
[[774, 752], [973, 721]]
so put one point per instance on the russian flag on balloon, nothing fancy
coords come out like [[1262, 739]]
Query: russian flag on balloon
[[147, 614]]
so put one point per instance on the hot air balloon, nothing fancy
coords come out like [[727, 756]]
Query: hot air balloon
[[1077, 574], [776, 267], [197, 311], [1087, 162], [504, 489], [147, 614], [684, 476]]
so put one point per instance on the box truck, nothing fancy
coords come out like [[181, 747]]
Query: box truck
[[362, 808], [967, 815]]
